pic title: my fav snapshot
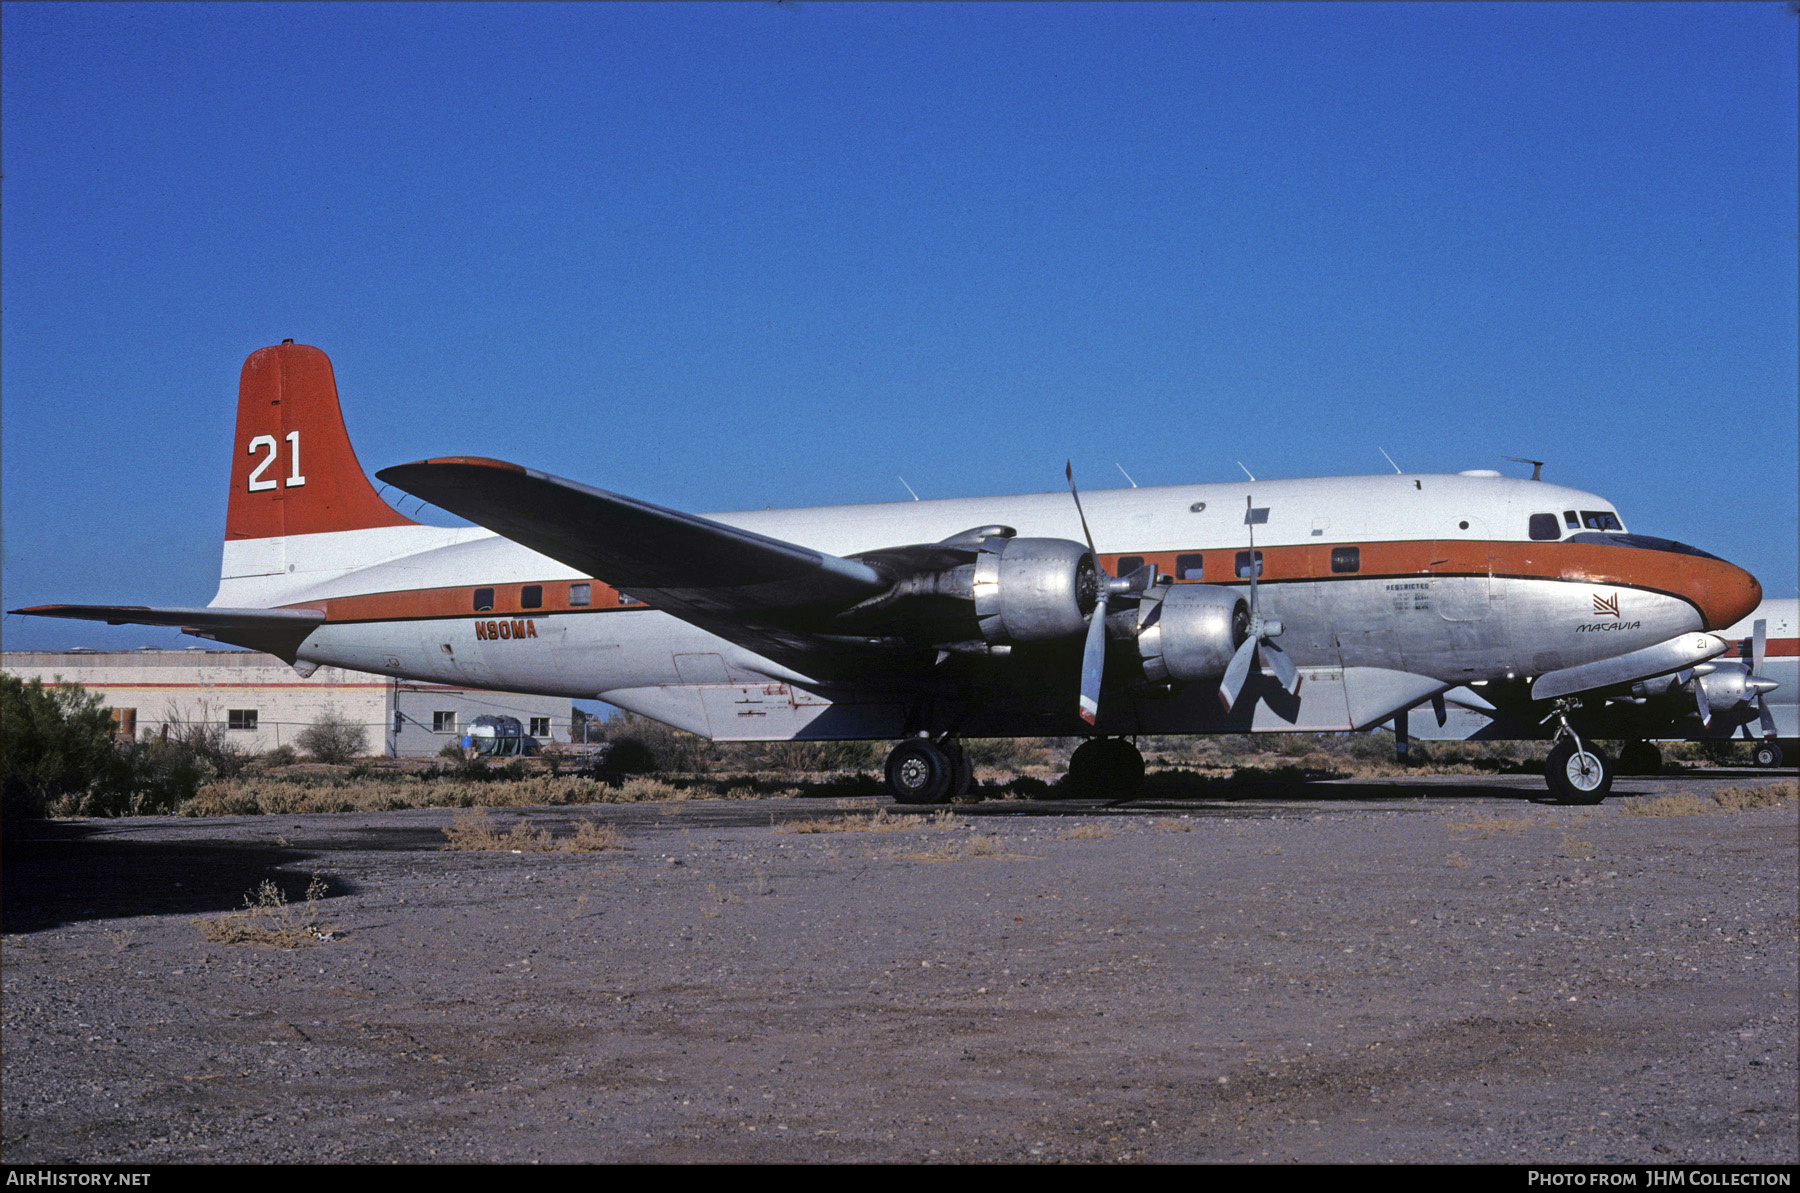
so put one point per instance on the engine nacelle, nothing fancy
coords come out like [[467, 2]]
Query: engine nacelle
[[1033, 590], [1190, 631]]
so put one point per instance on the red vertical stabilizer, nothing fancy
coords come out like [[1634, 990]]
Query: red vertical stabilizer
[[293, 470]]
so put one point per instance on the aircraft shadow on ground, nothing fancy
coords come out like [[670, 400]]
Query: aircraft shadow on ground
[[54, 875]]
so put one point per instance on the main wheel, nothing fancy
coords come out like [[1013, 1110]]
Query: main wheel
[[1578, 772], [919, 771], [1109, 767], [962, 769], [1640, 758], [1767, 753]]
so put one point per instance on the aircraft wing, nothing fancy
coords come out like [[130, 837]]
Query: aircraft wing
[[760, 592], [277, 631]]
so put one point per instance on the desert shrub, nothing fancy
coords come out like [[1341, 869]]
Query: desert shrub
[[56, 742], [653, 746], [332, 738], [280, 756]]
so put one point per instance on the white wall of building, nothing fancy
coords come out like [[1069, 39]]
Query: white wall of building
[[262, 702]]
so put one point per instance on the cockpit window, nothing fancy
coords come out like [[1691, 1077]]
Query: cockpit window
[[1544, 528], [1600, 520], [1570, 520], [1643, 542]]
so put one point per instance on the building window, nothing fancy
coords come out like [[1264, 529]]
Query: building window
[[484, 600], [124, 721], [531, 596], [1346, 559], [1243, 564], [240, 718], [443, 722], [1189, 567], [1544, 528], [580, 594], [540, 726]]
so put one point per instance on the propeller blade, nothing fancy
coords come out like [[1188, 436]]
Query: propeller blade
[[1759, 645], [1701, 703], [1249, 509], [1236, 672], [1437, 706], [1283, 666], [1768, 719], [1093, 661], [1069, 471]]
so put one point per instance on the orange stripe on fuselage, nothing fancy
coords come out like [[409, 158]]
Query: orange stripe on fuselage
[[1723, 593]]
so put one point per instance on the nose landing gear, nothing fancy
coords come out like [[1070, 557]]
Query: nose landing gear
[[1577, 771]]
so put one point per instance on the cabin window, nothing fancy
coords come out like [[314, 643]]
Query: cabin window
[[240, 718], [1600, 520], [1570, 520], [540, 726], [1244, 564], [484, 600], [1189, 567], [531, 596], [1129, 564], [124, 723], [580, 595], [628, 600], [1346, 559], [1544, 528], [443, 722]]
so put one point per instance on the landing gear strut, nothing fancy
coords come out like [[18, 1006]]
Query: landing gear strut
[[922, 771], [1105, 768]]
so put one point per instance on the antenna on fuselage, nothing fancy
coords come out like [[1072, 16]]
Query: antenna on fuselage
[[1240, 464], [1127, 475], [1537, 466], [1389, 459], [908, 487]]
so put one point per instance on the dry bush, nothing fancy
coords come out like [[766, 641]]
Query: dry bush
[[474, 830], [1681, 803], [1764, 795], [1730, 799], [1086, 832], [883, 821], [269, 919]]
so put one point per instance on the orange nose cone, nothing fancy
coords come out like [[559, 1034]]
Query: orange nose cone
[[1728, 595]]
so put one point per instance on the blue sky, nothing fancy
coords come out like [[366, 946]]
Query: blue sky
[[726, 256]]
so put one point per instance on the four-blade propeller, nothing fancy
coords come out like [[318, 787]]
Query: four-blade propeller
[[1259, 635]]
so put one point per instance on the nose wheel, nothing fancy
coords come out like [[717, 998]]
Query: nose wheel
[[1578, 772]]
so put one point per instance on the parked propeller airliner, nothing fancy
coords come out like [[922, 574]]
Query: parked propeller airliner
[[1271, 606]]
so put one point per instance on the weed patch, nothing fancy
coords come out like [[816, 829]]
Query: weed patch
[[474, 830], [269, 919]]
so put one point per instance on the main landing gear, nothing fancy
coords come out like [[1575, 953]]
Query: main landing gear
[[1105, 768], [922, 771]]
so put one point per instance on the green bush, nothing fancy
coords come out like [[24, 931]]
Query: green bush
[[332, 738], [54, 741]]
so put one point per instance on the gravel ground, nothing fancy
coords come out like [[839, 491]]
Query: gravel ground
[[1425, 970]]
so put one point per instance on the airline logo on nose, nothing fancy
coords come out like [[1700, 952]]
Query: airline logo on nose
[[1607, 605]]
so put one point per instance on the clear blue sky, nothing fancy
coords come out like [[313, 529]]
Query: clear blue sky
[[724, 256]]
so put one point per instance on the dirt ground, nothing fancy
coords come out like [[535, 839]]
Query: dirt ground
[[1423, 970]]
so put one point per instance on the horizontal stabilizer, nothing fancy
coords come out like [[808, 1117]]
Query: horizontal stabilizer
[[1676, 654], [276, 631], [696, 568]]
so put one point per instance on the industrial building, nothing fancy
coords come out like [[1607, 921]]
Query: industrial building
[[263, 703]]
